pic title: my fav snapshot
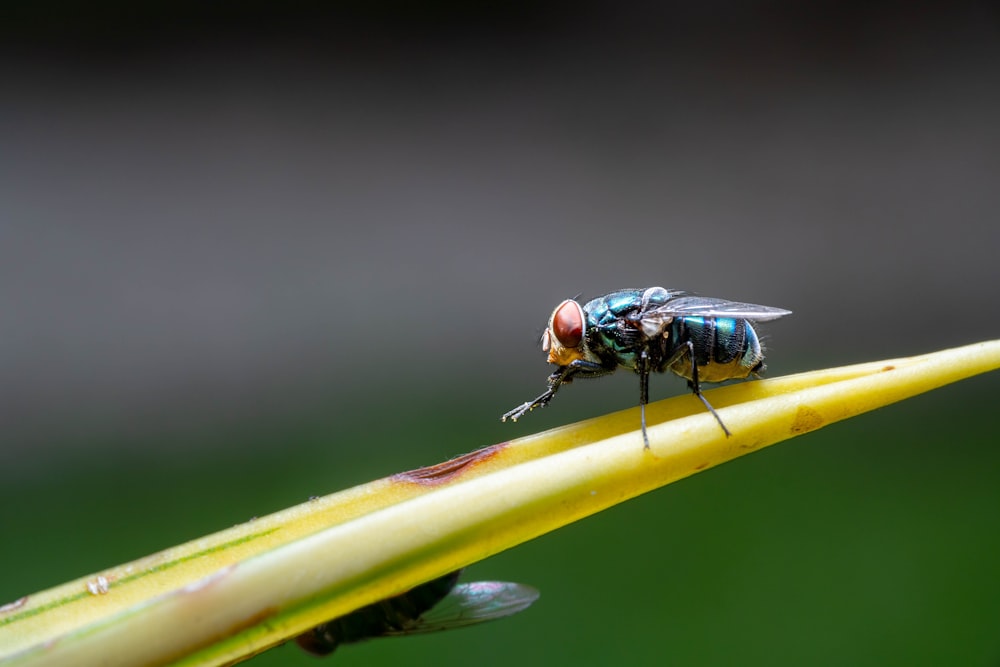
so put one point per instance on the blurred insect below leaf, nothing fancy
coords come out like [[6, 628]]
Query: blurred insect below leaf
[[653, 329], [439, 604]]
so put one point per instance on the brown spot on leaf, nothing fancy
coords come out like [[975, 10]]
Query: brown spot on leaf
[[806, 419], [444, 472], [701, 466], [889, 367]]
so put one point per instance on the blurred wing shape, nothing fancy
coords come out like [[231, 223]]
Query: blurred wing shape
[[472, 603]]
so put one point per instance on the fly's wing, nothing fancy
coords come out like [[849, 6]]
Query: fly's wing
[[656, 317], [698, 306], [472, 603]]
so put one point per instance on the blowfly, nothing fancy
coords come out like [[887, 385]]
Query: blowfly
[[652, 330]]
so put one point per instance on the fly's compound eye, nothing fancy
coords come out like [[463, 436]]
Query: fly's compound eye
[[567, 324]]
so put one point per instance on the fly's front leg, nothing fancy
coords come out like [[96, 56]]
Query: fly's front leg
[[563, 374], [525, 408]]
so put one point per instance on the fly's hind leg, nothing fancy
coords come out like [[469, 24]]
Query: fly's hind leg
[[696, 388]]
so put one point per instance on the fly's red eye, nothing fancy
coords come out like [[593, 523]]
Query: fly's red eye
[[567, 323]]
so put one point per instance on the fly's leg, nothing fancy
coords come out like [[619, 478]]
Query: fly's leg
[[525, 408], [643, 370], [579, 368], [564, 374], [696, 388]]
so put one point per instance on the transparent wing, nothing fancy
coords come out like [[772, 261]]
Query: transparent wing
[[699, 306], [474, 602]]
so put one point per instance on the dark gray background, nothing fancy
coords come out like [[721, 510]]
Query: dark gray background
[[205, 220]]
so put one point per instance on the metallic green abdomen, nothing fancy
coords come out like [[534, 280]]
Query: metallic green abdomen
[[724, 348]]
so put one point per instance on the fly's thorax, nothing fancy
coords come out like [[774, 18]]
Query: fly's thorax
[[623, 341]]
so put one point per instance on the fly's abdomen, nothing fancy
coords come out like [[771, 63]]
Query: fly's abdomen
[[724, 348]]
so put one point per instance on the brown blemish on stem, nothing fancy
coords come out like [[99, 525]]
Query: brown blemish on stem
[[806, 419], [444, 472]]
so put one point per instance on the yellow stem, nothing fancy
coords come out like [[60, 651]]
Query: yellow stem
[[224, 597]]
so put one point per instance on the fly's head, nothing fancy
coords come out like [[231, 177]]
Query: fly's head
[[564, 339]]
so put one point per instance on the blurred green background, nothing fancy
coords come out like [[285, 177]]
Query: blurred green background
[[258, 255]]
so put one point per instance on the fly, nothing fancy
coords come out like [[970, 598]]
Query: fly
[[439, 604], [653, 329]]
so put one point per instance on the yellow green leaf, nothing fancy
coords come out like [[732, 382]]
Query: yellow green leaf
[[224, 597]]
